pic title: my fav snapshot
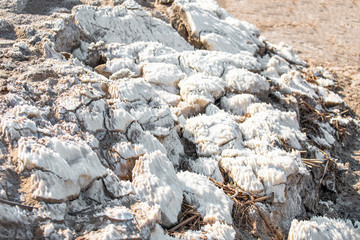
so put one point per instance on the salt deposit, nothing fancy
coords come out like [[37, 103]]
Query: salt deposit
[[117, 119], [156, 183], [209, 200], [323, 228]]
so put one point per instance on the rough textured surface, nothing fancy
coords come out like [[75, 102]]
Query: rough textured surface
[[209, 200], [113, 119], [324, 228], [155, 182]]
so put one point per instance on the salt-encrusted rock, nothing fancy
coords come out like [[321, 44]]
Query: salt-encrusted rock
[[68, 165], [209, 200], [212, 133], [267, 125], [119, 118], [158, 74], [324, 228], [115, 231], [201, 89], [127, 150], [326, 136], [67, 159], [52, 231], [238, 104], [137, 135], [5, 27], [171, 99], [256, 172], [221, 31], [116, 187], [147, 217], [219, 231], [15, 222], [50, 52], [216, 230], [131, 90], [216, 63], [12, 215], [244, 81], [144, 105], [122, 157], [285, 51], [173, 146], [115, 68], [274, 66], [92, 116], [329, 97], [20, 51], [242, 174], [77, 96], [55, 211], [141, 52], [18, 5], [154, 117], [14, 129], [119, 214], [95, 131], [126, 23], [27, 111], [20, 120], [48, 186], [67, 34], [155, 182], [158, 233], [292, 82], [208, 167]]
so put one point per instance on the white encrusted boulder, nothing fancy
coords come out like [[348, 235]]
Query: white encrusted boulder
[[220, 31], [213, 132], [155, 182], [209, 200], [324, 228], [238, 103], [201, 89], [267, 125], [68, 166], [126, 24], [208, 167], [244, 81]]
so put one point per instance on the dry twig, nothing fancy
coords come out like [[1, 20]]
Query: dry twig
[[183, 223], [189, 218], [243, 202], [11, 203], [313, 162]]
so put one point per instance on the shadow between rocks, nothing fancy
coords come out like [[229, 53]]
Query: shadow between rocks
[[44, 7]]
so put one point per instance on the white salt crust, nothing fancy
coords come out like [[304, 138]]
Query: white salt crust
[[155, 181], [209, 200], [160, 106], [324, 228]]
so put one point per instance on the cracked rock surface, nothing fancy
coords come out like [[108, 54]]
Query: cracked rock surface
[[116, 116]]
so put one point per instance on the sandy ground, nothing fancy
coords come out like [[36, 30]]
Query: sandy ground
[[322, 32]]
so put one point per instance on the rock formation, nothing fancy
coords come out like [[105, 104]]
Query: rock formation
[[119, 116]]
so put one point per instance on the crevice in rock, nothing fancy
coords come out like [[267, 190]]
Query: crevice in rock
[[188, 219], [178, 19], [43, 7]]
